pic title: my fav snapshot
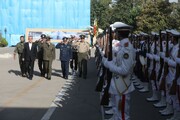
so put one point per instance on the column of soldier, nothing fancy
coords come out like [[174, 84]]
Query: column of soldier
[[143, 61], [73, 49]]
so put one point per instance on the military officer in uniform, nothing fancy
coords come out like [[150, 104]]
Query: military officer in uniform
[[65, 56], [74, 60], [48, 57], [83, 56], [122, 69], [19, 50], [40, 53]]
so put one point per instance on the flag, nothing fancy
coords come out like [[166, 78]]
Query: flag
[[95, 27]]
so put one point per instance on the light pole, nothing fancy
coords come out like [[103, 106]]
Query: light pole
[[5, 31]]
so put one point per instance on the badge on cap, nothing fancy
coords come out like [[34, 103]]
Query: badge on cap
[[126, 56]]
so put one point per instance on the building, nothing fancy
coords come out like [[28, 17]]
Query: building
[[17, 15]]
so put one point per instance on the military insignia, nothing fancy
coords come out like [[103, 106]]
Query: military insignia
[[126, 56]]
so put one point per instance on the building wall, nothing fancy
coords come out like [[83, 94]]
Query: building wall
[[17, 15]]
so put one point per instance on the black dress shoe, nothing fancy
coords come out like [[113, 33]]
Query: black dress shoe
[[30, 78], [49, 78], [23, 75]]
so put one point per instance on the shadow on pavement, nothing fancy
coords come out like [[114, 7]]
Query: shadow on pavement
[[22, 113], [78, 99]]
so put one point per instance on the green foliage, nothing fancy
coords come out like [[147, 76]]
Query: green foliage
[[154, 16], [143, 15], [3, 42], [100, 10]]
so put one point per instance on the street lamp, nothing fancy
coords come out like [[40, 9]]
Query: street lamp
[[5, 31]]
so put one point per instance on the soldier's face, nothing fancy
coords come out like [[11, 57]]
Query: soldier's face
[[22, 39], [30, 39]]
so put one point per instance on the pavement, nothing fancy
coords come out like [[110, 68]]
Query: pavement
[[58, 99]]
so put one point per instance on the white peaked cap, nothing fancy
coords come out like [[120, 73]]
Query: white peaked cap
[[154, 33], [144, 34], [167, 30], [175, 33], [112, 27], [121, 25], [163, 32]]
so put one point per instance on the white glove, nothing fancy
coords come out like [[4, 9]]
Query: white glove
[[151, 56], [157, 58], [162, 54], [108, 64], [171, 63], [178, 60], [166, 59], [104, 60], [102, 53]]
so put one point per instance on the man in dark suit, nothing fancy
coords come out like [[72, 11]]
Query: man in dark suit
[[29, 56]]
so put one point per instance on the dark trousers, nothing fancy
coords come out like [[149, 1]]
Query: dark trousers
[[41, 66], [74, 61], [82, 66], [48, 68], [30, 68], [65, 68], [22, 65]]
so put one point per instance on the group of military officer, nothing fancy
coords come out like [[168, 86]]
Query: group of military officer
[[73, 50], [143, 61]]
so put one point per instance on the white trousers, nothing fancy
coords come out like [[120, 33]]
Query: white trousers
[[123, 112]]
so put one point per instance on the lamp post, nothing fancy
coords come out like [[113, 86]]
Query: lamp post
[[5, 31]]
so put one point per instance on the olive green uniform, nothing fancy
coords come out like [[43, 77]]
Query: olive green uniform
[[83, 56], [40, 57], [48, 57], [19, 50]]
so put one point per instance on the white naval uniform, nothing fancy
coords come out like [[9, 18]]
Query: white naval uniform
[[122, 66], [178, 93], [151, 56], [171, 75]]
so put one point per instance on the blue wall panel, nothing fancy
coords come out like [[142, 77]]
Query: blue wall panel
[[17, 15]]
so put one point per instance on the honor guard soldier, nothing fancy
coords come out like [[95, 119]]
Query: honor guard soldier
[[40, 53], [48, 57], [65, 56], [83, 56], [175, 75], [122, 68], [19, 50]]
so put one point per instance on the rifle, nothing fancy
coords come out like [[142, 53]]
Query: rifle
[[163, 80], [148, 60], [100, 83], [177, 75], [153, 73], [161, 59], [105, 97]]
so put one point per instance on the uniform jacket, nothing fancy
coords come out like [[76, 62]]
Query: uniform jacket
[[29, 54], [83, 51], [19, 48], [65, 51], [40, 50], [48, 51], [122, 64]]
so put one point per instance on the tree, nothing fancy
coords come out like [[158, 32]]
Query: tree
[[157, 16], [99, 10]]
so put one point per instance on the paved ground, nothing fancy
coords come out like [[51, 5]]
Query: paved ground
[[22, 99]]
